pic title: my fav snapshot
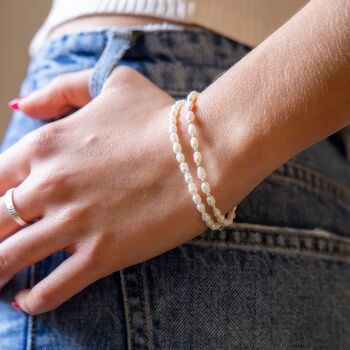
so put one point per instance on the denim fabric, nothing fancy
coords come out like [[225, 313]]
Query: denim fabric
[[278, 278]]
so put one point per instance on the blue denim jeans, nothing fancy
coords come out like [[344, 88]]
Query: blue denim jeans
[[278, 278]]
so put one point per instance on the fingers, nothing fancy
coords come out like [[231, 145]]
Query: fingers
[[61, 96], [69, 278], [30, 245], [28, 203]]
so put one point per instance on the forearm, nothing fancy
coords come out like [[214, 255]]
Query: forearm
[[288, 93]]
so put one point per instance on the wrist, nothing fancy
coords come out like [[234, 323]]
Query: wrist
[[232, 154]]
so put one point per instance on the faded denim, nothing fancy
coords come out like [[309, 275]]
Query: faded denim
[[279, 278]]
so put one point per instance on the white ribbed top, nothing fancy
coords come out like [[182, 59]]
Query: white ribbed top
[[247, 21]]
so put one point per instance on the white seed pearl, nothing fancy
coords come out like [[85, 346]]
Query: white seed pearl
[[217, 211], [189, 105], [192, 129], [228, 222], [201, 173], [184, 167], [172, 128], [188, 177], [192, 96], [174, 137], [210, 222], [205, 187], [211, 200], [232, 215], [201, 207], [197, 199], [178, 104], [172, 119], [197, 157], [180, 157], [194, 143], [218, 215], [221, 218], [190, 117], [205, 216], [192, 188], [177, 147], [216, 226]]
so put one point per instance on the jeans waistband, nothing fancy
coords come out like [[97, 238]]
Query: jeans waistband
[[191, 44]]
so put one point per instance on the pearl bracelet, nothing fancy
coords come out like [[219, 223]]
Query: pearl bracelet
[[180, 157], [197, 157]]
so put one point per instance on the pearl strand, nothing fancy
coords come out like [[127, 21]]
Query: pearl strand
[[180, 157], [201, 172]]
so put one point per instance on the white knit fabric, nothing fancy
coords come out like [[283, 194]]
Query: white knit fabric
[[247, 21]]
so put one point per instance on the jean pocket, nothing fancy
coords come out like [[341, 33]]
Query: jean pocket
[[247, 287]]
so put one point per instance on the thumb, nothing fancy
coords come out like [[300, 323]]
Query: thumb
[[65, 93]]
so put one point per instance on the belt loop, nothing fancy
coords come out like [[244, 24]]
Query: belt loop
[[118, 42]]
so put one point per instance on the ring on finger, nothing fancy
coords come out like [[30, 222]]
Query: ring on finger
[[11, 208]]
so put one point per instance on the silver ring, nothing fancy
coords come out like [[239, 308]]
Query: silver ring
[[11, 208]]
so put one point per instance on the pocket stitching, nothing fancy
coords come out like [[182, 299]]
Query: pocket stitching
[[314, 180], [317, 241]]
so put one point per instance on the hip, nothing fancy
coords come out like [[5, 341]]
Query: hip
[[277, 278]]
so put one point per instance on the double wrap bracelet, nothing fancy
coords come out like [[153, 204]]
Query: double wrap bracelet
[[190, 107]]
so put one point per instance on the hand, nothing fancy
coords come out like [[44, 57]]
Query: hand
[[104, 184]]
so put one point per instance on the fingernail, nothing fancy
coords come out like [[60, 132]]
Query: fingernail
[[15, 305], [14, 104]]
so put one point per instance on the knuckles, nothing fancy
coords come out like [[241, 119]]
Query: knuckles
[[51, 182], [44, 140]]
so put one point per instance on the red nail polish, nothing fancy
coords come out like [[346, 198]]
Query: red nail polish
[[14, 104], [15, 305]]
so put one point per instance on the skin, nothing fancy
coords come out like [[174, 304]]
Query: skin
[[94, 178]]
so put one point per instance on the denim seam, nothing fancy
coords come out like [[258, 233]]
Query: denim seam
[[273, 250], [286, 231], [334, 258], [149, 334], [314, 179], [33, 318], [29, 323], [143, 308], [127, 308], [300, 243], [136, 306], [27, 332]]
